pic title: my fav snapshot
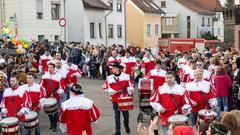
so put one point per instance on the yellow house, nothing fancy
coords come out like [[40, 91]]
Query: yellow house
[[143, 23]]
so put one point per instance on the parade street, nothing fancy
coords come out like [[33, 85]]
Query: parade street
[[105, 125]]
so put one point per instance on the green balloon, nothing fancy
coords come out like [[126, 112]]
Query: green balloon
[[8, 22]]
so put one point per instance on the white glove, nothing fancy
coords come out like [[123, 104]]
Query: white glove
[[40, 69], [42, 102], [111, 91], [60, 91], [4, 111], [63, 127], [130, 90]]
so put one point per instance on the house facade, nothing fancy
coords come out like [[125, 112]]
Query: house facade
[[37, 19], [188, 19], [143, 23]]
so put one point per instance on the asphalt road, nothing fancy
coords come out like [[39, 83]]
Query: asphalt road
[[105, 126]]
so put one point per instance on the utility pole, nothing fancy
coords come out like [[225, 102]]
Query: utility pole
[[65, 27]]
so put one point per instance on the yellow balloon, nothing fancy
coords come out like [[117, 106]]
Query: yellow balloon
[[3, 30], [18, 51], [25, 46], [10, 31]]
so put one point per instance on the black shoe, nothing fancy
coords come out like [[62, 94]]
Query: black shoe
[[54, 129], [51, 126], [127, 129], [117, 133]]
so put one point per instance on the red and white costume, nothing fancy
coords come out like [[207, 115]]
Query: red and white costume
[[184, 74], [54, 61], [162, 99], [158, 77], [15, 98], [36, 94], [129, 64], [111, 86], [72, 70], [63, 72], [199, 90], [53, 85], [43, 63], [76, 115], [207, 76], [112, 60], [147, 65]]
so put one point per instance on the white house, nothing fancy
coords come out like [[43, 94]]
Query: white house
[[34, 18], [86, 21], [219, 26], [115, 22], [194, 17]]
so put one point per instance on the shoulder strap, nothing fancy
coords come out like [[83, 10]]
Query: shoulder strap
[[14, 106], [51, 85], [203, 98], [119, 86], [174, 101]]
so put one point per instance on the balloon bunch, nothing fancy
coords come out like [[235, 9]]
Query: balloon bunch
[[21, 44]]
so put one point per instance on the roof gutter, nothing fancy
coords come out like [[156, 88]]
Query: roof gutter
[[106, 33]]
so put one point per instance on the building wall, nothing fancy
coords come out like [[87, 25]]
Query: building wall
[[173, 7], [28, 24], [116, 18], [152, 19], [237, 36], [135, 32], [75, 16], [219, 25], [96, 17]]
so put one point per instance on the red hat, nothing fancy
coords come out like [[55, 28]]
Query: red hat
[[183, 130]]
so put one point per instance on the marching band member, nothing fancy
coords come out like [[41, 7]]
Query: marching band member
[[119, 84], [202, 93], [129, 63], [182, 61], [169, 99], [147, 63], [56, 58], [207, 76], [43, 61], [15, 102], [114, 58], [77, 113], [37, 96], [52, 82], [184, 72], [72, 75], [157, 74], [3, 81]]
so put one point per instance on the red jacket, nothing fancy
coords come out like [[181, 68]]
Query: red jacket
[[21, 102], [223, 85], [129, 63], [157, 76], [196, 90], [111, 85], [52, 83], [36, 93], [162, 99], [147, 65], [76, 115]]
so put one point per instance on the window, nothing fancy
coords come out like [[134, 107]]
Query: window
[[55, 9], [92, 32], [39, 9], [218, 31], [148, 30], [100, 30], [157, 30], [188, 27], [119, 6], [41, 38], [110, 3], [169, 21], [110, 31], [203, 21], [56, 38], [163, 4], [208, 22], [218, 16], [119, 31]]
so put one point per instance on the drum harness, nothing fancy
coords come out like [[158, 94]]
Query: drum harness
[[14, 106], [120, 87], [51, 86]]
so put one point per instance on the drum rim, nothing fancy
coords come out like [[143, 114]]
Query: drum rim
[[52, 103], [173, 117], [31, 112], [1, 122]]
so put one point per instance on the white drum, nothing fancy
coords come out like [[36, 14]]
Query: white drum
[[50, 106], [31, 120], [206, 115], [178, 119], [9, 125]]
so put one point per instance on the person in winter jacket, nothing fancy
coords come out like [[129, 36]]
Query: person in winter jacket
[[223, 85]]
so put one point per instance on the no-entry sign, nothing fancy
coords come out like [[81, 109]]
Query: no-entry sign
[[62, 22]]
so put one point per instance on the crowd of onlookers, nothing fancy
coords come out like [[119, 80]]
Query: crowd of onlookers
[[92, 61]]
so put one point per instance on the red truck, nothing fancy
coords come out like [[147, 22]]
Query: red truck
[[186, 44]]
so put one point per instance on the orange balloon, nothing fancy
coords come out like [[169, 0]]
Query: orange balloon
[[18, 51]]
